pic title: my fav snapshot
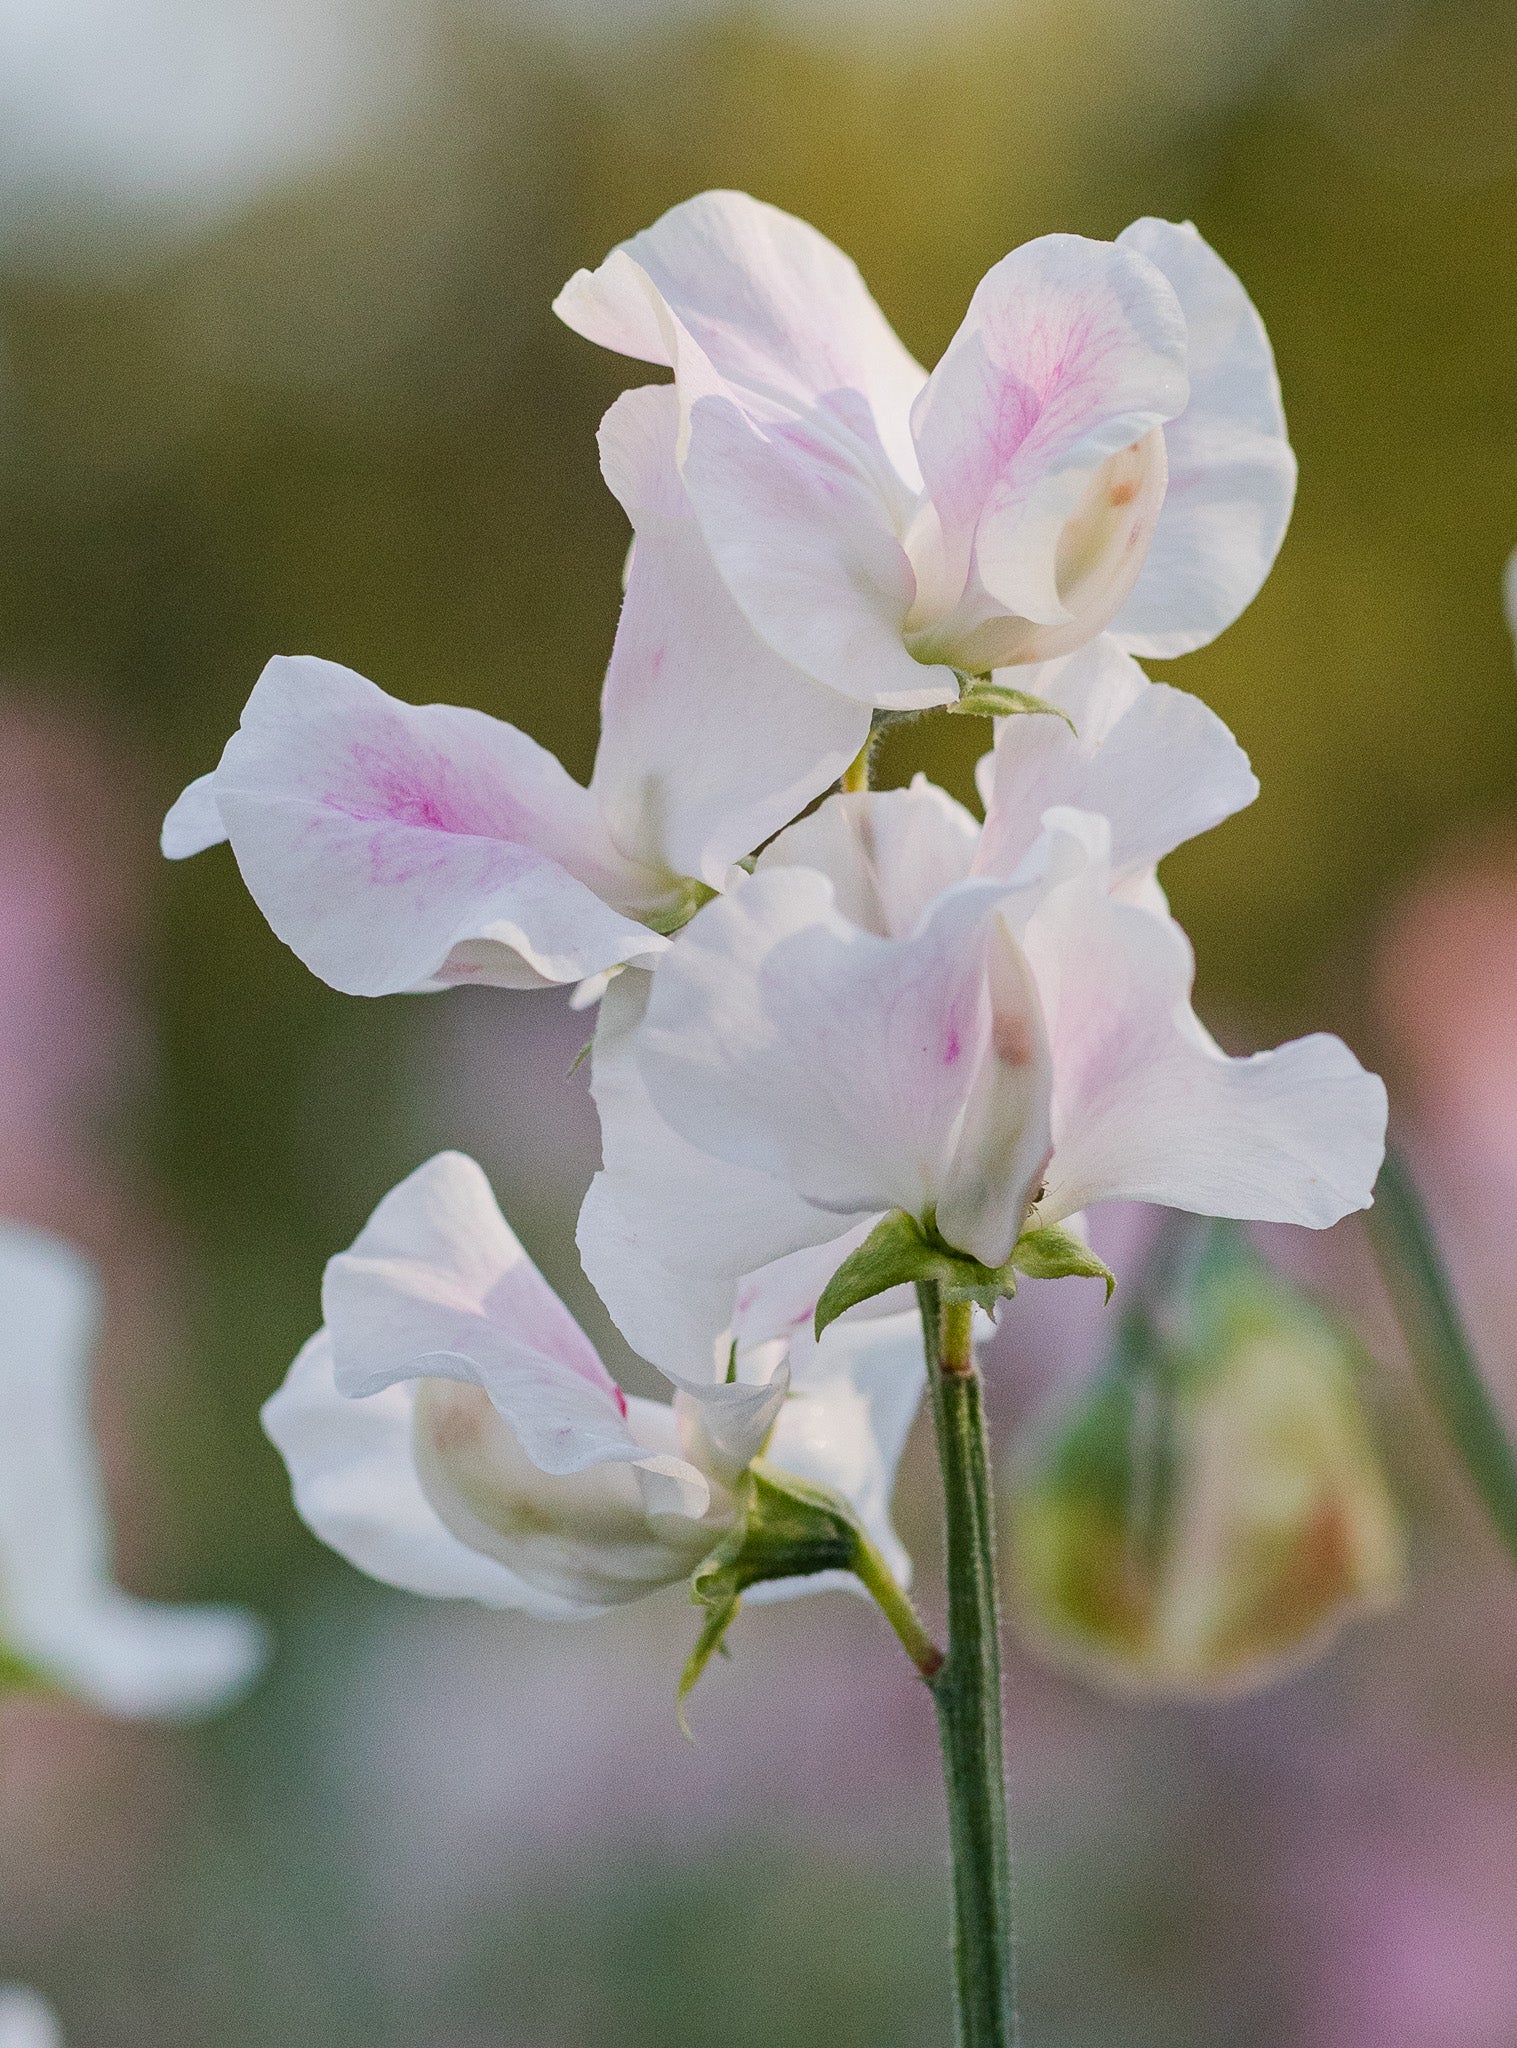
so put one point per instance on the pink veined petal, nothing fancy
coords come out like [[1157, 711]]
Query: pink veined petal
[[1071, 354], [807, 537], [784, 1039], [352, 1467], [436, 1286], [1156, 763], [709, 740], [1147, 1108], [777, 310], [1004, 1142], [1232, 475], [395, 846], [888, 853], [795, 441], [666, 1230]]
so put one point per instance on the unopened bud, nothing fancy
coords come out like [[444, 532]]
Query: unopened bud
[[1212, 1508]]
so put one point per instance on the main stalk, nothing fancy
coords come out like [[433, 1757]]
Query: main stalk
[[967, 1689]]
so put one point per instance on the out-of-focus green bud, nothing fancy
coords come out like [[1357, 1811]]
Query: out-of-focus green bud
[[1212, 1508]]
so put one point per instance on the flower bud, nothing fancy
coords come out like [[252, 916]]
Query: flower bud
[[1212, 1508]]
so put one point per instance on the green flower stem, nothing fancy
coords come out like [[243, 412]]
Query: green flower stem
[[967, 1689], [1418, 1285], [880, 1583]]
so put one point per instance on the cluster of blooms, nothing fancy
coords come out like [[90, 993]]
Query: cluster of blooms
[[840, 1043]]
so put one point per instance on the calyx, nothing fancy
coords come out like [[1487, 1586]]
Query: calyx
[[900, 1251]]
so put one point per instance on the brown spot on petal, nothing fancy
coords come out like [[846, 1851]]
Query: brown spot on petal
[[1013, 1041], [455, 1424], [1123, 493]]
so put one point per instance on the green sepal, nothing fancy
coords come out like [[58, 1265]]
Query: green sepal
[[979, 697], [719, 1618], [1051, 1252], [692, 896], [785, 1528], [900, 1252]]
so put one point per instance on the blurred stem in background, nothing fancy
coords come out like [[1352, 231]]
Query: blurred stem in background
[[1414, 1274], [967, 1690]]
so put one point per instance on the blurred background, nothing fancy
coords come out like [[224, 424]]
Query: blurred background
[[278, 374]]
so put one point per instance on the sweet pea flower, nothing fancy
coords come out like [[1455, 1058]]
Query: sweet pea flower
[[1101, 447], [1026, 1050], [451, 1430], [395, 846], [64, 1624], [690, 1253], [670, 1234]]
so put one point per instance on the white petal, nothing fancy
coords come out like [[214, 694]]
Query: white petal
[[395, 846], [1146, 1107], [709, 740], [194, 820], [1232, 476], [784, 1039], [1156, 763], [358, 1486], [796, 449], [723, 1426], [601, 1535], [777, 1304], [26, 2021], [353, 1471], [846, 1425], [806, 533], [776, 309], [1004, 1140], [59, 1610], [1072, 353], [888, 853], [666, 1230], [437, 1286]]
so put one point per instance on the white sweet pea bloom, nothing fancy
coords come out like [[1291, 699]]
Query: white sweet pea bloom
[[668, 1232], [1027, 1050], [395, 846], [690, 1253], [27, 2021], [64, 1623], [1101, 446], [452, 1431]]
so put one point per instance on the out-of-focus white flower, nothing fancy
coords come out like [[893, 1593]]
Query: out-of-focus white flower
[[394, 846], [1101, 446], [27, 2021], [452, 1431], [63, 1622]]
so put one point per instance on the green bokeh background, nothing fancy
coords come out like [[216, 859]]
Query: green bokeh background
[[343, 421]]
